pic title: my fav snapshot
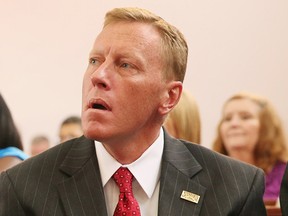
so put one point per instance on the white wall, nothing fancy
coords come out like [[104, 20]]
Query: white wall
[[234, 45]]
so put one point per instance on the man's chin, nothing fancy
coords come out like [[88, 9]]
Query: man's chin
[[90, 134]]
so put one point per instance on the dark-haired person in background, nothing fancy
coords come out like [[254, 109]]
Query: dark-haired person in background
[[11, 149], [70, 128]]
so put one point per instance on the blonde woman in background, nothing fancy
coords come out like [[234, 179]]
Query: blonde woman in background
[[183, 122], [250, 130]]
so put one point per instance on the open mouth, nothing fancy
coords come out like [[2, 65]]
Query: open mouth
[[98, 106]]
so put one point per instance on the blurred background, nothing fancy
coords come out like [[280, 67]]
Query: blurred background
[[234, 46]]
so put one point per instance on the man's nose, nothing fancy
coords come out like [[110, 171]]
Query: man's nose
[[100, 77]]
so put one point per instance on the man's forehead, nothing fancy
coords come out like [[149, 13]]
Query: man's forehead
[[126, 39], [127, 30]]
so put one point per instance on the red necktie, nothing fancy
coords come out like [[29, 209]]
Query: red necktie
[[127, 204]]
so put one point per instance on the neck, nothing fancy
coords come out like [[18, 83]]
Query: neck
[[126, 151]]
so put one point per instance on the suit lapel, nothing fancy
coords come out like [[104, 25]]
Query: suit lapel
[[178, 174], [81, 191], [82, 188]]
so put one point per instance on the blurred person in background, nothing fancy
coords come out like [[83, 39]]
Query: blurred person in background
[[39, 144], [70, 128], [183, 122], [11, 148], [250, 130]]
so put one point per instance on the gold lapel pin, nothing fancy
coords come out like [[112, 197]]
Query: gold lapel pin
[[191, 197]]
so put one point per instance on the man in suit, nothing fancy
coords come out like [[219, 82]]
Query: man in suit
[[133, 80]]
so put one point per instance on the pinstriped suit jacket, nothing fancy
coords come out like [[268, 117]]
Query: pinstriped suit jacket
[[65, 180]]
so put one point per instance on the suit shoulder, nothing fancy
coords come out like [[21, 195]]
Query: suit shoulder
[[54, 155], [205, 155]]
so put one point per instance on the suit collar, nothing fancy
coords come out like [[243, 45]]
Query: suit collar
[[81, 191], [80, 152], [177, 154], [179, 173]]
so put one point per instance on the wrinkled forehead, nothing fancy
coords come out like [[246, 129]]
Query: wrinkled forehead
[[136, 33], [139, 40]]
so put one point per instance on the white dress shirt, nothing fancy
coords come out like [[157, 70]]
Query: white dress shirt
[[146, 172]]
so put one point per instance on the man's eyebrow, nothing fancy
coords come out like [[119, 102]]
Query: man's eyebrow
[[94, 52]]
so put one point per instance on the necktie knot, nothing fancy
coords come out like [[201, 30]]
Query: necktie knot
[[127, 204], [123, 178]]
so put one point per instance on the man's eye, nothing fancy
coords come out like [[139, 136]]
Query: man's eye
[[125, 65], [92, 61], [95, 61]]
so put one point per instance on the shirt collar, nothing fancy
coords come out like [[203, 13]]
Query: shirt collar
[[145, 169]]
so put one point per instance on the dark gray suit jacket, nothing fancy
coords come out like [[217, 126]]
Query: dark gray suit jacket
[[65, 180]]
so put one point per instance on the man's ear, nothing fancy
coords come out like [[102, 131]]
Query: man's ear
[[173, 95]]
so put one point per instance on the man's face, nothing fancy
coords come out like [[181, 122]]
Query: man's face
[[123, 86]]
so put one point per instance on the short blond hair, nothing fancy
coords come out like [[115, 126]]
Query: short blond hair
[[174, 45]]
